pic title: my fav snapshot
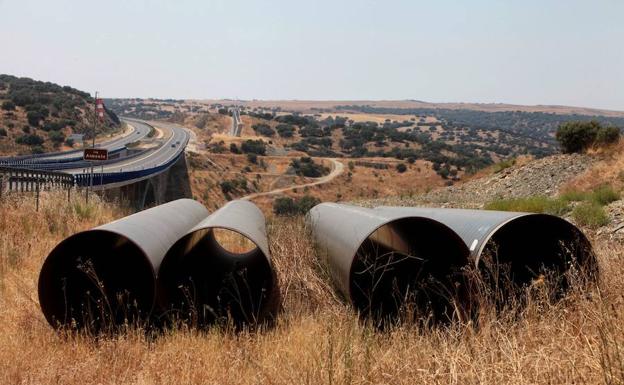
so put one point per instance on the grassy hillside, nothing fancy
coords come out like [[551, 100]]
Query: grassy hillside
[[39, 116]]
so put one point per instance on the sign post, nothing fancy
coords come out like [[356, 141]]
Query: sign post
[[95, 154]]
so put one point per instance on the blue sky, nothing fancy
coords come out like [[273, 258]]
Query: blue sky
[[568, 52]]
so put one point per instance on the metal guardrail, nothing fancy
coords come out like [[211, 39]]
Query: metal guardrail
[[98, 178], [26, 180]]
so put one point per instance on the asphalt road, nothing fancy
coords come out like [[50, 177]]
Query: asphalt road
[[138, 132], [170, 146]]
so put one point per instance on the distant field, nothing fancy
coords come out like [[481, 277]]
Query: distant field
[[311, 105]]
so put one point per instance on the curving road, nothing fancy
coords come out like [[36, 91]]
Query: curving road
[[138, 132], [169, 147]]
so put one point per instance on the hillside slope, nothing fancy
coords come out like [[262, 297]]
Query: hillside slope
[[39, 116]]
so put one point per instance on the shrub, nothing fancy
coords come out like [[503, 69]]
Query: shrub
[[305, 203], [34, 117], [604, 195], [284, 206], [37, 150], [8, 105], [537, 204], [234, 148], [56, 137], [254, 147], [252, 158], [263, 129], [285, 130], [608, 135], [289, 207], [574, 196], [500, 166], [307, 167], [401, 168], [3, 132], [227, 186], [590, 214], [69, 142], [579, 136], [30, 140]]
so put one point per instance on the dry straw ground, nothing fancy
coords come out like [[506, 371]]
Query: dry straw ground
[[317, 339]]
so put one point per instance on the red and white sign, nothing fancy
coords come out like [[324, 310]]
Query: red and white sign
[[99, 107]]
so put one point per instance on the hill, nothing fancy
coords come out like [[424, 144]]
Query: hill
[[38, 116], [454, 140]]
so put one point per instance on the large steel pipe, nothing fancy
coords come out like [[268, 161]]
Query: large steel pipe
[[107, 276], [382, 262], [519, 248], [220, 271]]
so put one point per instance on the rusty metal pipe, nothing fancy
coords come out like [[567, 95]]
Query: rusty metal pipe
[[106, 276], [202, 280], [383, 261]]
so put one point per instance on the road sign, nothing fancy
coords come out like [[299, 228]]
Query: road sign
[[99, 106], [95, 154]]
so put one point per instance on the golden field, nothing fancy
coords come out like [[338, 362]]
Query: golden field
[[316, 339]]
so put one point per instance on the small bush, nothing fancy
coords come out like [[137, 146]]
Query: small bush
[[500, 166], [30, 140], [8, 105], [538, 204], [252, 158], [604, 195], [234, 148], [590, 214], [306, 166], [574, 196], [401, 168], [257, 147], [3, 132], [263, 129], [286, 206], [56, 137]]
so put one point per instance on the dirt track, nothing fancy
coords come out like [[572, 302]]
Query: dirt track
[[337, 169]]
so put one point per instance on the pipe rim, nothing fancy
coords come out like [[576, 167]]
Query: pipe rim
[[56, 257]]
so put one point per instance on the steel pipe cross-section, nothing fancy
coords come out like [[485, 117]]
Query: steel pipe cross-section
[[384, 261], [106, 276], [221, 270]]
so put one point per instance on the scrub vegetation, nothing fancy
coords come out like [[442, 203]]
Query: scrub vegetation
[[586, 208]]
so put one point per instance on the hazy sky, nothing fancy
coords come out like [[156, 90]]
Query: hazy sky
[[523, 51]]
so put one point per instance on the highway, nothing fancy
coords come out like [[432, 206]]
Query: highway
[[169, 147], [137, 132]]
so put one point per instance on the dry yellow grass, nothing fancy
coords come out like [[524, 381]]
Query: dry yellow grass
[[316, 340], [608, 170]]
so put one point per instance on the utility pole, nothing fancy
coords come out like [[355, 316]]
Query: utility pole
[[95, 119]]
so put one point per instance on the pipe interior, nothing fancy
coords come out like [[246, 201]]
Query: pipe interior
[[532, 248], [411, 261], [96, 279], [201, 282]]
